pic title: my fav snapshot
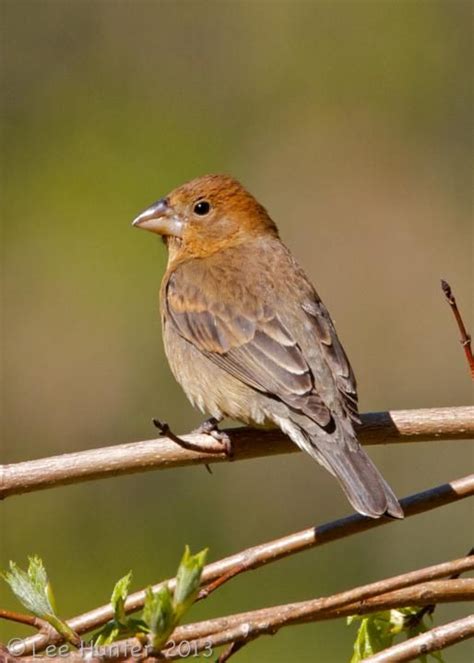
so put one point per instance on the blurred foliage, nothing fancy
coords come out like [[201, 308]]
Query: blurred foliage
[[351, 121], [378, 631]]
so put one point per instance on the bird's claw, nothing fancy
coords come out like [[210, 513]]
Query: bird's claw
[[208, 427], [223, 439], [211, 427]]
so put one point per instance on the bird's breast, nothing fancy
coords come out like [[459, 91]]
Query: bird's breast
[[208, 387]]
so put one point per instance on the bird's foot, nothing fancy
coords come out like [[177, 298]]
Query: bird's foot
[[211, 427], [207, 426]]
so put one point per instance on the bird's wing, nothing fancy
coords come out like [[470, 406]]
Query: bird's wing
[[249, 340], [333, 354]]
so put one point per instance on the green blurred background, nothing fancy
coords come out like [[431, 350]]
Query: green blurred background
[[351, 122]]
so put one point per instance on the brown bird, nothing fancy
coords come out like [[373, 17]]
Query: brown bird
[[247, 336]]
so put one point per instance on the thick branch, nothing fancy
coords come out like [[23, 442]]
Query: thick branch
[[257, 556], [454, 423], [436, 639]]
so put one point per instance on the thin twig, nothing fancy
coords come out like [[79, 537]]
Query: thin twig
[[465, 337], [412, 621], [205, 591], [232, 649], [451, 423], [439, 637], [253, 558], [20, 618]]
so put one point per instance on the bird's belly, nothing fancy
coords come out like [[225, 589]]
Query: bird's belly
[[210, 388]]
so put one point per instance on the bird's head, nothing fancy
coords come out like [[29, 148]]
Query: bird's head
[[205, 215]]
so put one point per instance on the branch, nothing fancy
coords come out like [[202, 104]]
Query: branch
[[333, 604], [5, 656], [247, 626], [20, 618], [465, 337], [250, 625], [453, 423], [253, 558], [436, 639], [415, 620]]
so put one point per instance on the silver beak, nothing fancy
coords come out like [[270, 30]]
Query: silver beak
[[159, 218]]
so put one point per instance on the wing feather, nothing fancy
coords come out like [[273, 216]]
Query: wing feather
[[255, 346], [334, 354]]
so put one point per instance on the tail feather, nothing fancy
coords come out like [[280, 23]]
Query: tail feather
[[364, 486], [341, 454]]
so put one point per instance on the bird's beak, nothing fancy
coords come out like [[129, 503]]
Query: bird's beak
[[160, 218]]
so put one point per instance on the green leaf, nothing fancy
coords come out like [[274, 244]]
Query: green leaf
[[109, 633], [113, 631], [119, 596], [163, 610], [30, 587], [121, 626], [378, 631], [437, 655], [159, 615], [374, 635], [188, 579], [418, 626], [33, 589]]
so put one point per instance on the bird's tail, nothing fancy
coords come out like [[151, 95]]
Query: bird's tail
[[364, 486]]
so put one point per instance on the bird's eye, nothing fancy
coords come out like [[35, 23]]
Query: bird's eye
[[202, 207]]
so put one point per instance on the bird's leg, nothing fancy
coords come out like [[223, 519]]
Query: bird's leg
[[207, 426], [165, 430], [211, 427]]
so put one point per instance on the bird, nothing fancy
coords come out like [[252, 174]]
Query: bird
[[248, 338]]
